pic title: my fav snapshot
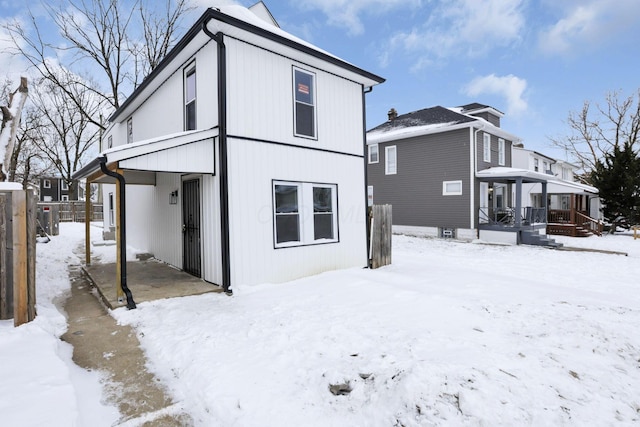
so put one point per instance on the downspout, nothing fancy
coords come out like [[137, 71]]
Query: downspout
[[365, 91], [224, 180], [123, 231], [474, 170]]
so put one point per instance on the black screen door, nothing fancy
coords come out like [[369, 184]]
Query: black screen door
[[191, 227]]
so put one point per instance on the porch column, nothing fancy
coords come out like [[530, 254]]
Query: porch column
[[518, 202], [87, 223], [545, 202]]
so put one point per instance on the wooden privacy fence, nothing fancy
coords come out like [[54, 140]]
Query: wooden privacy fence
[[379, 235], [17, 254], [75, 211]]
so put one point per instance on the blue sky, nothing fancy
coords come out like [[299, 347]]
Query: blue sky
[[534, 60]]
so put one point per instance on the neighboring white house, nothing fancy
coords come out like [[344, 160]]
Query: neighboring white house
[[563, 191], [243, 155]]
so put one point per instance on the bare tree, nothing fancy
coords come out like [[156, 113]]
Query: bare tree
[[597, 131], [101, 39], [68, 136], [10, 122], [28, 163], [158, 35]]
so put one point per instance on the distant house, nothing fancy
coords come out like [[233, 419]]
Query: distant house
[[242, 155], [573, 208], [56, 189], [449, 172]]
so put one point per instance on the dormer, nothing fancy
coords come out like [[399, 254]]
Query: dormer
[[482, 111]]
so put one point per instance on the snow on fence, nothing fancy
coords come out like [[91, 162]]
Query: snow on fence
[[17, 253], [380, 235]]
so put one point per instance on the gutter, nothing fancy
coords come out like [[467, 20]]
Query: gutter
[[123, 231], [224, 169]]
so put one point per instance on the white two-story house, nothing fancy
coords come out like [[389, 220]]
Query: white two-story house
[[242, 155]]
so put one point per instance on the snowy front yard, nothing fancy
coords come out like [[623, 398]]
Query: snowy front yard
[[450, 334]]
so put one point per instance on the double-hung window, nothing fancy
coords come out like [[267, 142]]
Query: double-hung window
[[304, 110], [130, 130], [390, 160], [304, 213], [46, 183], [501, 152], [486, 147], [190, 99], [64, 185], [373, 153]]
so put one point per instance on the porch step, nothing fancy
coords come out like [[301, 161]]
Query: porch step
[[531, 237]]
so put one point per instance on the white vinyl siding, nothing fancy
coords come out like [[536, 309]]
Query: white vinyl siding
[[452, 188], [501, 152], [304, 109], [390, 160], [254, 166], [486, 147], [373, 153], [304, 213], [338, 101]]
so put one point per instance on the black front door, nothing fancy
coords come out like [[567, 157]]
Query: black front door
[[191, 227]]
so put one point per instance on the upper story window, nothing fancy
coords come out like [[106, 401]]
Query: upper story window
[[390, 160], [486, 147], [46, 183], [110, 141], [501, 152], [536, 165], [130, 130], [565, 174], [545, 167], [190, 99], [64, 185], [373, 153], [304, 103]]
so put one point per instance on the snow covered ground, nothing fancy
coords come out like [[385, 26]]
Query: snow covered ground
[[450, 334]]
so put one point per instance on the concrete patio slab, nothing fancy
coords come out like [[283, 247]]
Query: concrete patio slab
[[148, 280]]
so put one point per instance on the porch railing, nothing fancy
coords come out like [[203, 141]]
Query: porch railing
[[506, 217], [588, 223]]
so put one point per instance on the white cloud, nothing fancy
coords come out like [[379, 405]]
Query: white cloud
[[510, 87], [468, 28], [588, 24], [347, 13]]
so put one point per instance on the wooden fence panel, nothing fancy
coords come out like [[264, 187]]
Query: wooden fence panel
[[380, 235], [6, 289]]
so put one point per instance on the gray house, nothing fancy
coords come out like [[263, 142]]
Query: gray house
[[448, 173]]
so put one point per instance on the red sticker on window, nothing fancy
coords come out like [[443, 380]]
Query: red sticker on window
[[302, 88]]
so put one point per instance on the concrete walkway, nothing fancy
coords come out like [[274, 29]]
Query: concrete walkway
[[100, 344]]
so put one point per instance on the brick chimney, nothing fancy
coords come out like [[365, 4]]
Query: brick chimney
[[393, 114]]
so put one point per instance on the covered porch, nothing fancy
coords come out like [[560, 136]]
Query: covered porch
[[141, 163], [501, 214]]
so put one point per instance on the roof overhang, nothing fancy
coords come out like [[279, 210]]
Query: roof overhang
[[512, 174], [414, 131], [185, 152]]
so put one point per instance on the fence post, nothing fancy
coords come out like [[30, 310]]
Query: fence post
[[5, 292], [32, 211], [20, 287], [380, 235]]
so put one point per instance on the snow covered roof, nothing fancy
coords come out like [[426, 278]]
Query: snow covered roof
[[502, 172], [431, 120], [556, 185]]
